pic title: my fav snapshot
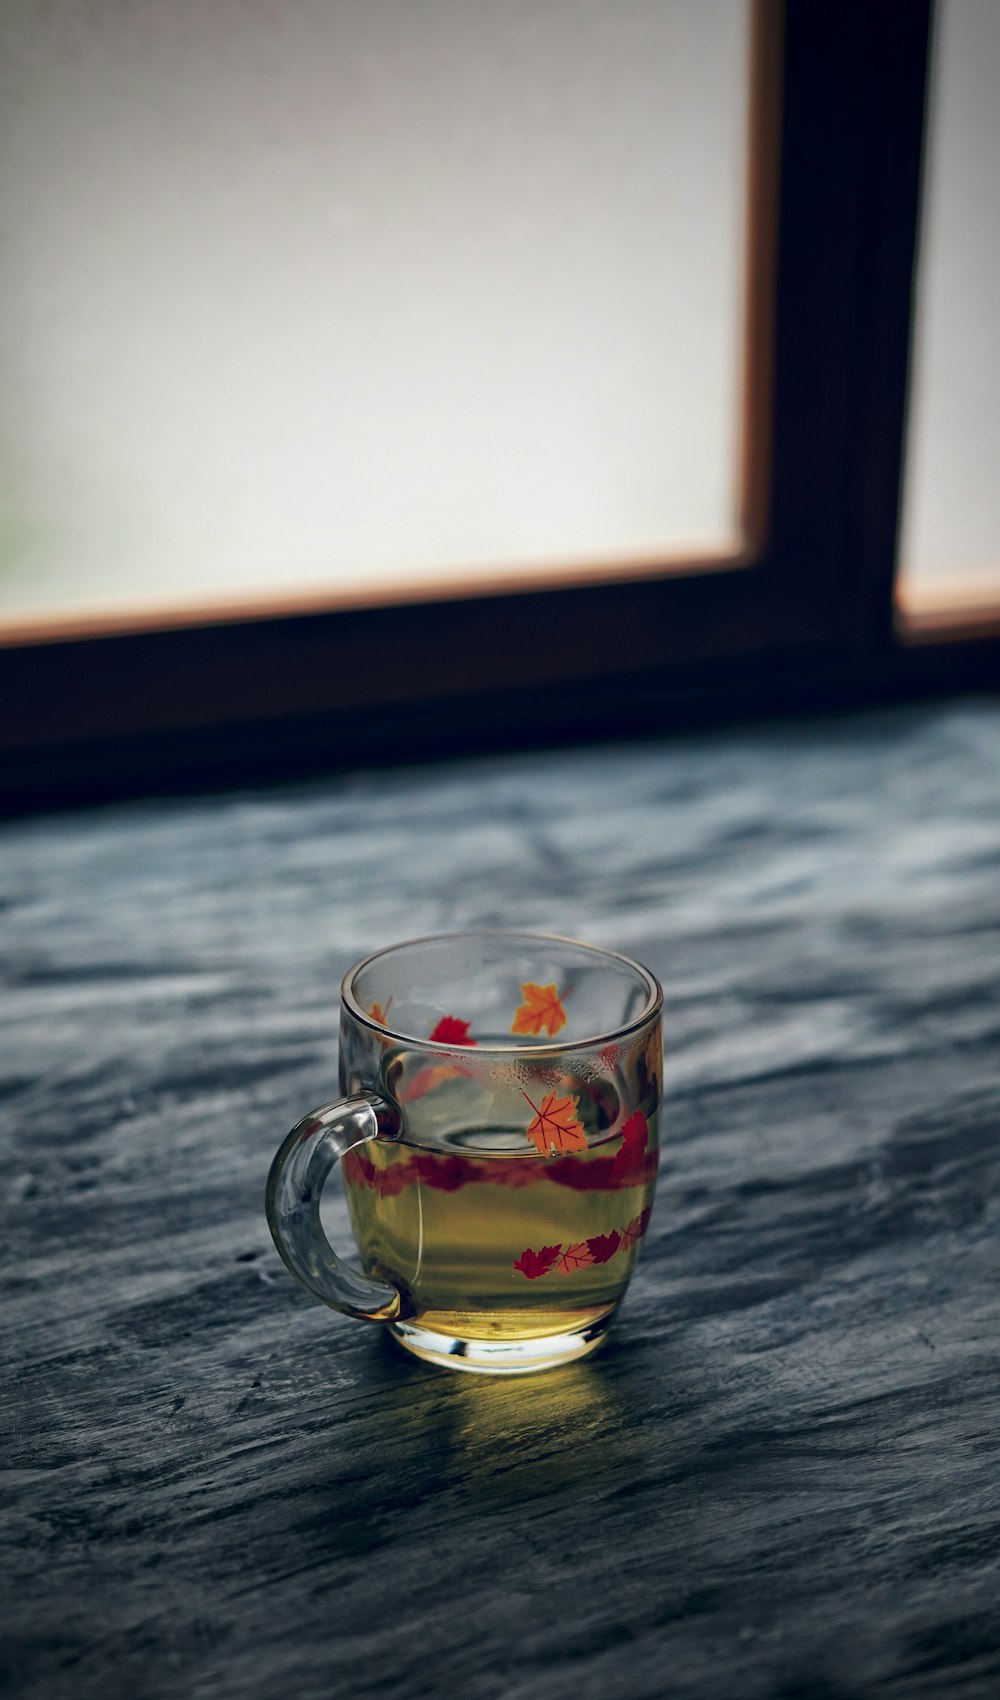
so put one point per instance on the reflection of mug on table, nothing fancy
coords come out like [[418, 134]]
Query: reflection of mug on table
[[499, 1137]]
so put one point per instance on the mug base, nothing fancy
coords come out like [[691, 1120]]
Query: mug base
[[499, 1357]]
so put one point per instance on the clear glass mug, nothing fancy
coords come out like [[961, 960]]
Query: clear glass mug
[[498, 1141]]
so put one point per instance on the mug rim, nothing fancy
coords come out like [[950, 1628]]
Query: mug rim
[[553, 1047]]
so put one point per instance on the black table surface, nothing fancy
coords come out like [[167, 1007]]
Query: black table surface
[[782, 1475]]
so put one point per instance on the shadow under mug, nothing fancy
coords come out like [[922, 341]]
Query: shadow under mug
[[498, 1137]]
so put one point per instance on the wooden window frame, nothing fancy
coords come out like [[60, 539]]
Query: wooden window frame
[[802, 613]]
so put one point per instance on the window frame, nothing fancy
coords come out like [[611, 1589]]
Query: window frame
[[802, 611]]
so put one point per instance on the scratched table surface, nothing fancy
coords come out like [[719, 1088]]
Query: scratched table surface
[[780, 1478]]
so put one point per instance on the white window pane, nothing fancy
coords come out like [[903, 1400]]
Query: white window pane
[[354, 292], [950, 551]]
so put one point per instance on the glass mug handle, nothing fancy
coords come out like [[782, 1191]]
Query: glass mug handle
[[295, 1186]]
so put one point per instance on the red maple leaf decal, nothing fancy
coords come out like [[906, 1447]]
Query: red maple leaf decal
[[603, 1246], [535, 1263], [555, 1124], [451, 1031], [636, 1228], [633, 1146], [574, 1257]]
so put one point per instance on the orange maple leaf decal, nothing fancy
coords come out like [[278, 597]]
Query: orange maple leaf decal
[[555, 1125], [574, 1257], [542, 1007], [535, 1263], [633, 1145], [377, 1013], [451, 1031]]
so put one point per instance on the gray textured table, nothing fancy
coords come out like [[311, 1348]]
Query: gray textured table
[[782, 1477]]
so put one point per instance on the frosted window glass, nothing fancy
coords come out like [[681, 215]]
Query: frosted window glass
[[362, 292], [950, 551]]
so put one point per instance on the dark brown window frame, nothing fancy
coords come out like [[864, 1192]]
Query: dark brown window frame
[[801, 613]]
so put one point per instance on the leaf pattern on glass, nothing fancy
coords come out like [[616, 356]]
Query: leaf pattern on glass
[[633, 1146], [599, 1248], [574, 1257], [536, 1263], [542, 1007], [636, 1229], [451, 1031], [603, 1246], [555, 1128], [556, 1125]]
